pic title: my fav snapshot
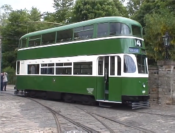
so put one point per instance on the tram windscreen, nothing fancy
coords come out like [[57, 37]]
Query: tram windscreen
[[142, 64], [129, 65], [136, 31]]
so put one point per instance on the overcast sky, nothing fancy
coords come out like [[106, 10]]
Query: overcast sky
[[42, 5]]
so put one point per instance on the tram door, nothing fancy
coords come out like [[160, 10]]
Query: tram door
[[106, 77], [108, 80], [103, 78]]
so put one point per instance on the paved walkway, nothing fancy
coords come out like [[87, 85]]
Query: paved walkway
[[19, 115]]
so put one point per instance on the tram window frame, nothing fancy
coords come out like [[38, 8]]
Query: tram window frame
[[64, 67], [18, 67], [119, 67], [78, 68], [64, 36], [84, 32], [136, 30], [65, 70], [129, 65], [35, 42], [101, 28], [34, 39], [112, 65], [23, 42], [47, 68], [36, 70], [48, 38], [100, 65], [117, 28]]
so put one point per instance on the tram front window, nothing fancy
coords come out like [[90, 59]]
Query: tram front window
[[142, 64], [129, 64]]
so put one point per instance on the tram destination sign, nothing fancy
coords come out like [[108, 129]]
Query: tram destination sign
[[134, 50]]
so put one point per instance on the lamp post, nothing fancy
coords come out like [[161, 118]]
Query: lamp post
[[166, 41]]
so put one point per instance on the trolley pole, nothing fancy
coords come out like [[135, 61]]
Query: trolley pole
[[0, 58]]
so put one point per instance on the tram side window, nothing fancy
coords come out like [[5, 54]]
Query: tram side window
[[100, 65], [33, 69], [103, 30], [64, 68], [112, 65], [83, 68], [83, 35], [34, 41], [65, 35], [84, 32], [48, 38], [129, 65], [47, 68], [23, 42], [119, 29], [18, 67], [118, 65]]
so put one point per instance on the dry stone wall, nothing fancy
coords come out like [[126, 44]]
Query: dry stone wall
[[162, 83]]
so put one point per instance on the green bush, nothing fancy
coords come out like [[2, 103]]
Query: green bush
[[11, 75]]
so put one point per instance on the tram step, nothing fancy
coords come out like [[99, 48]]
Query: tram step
[[137, 105]]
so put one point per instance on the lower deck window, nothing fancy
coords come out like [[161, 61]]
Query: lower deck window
[[33, 69], [83, 68], [64, 71], [47, 70]]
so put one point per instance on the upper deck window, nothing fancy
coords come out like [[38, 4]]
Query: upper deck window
[[136, 30], [48, 38], [119, 29], [34, 41], [65, 35], [103, 29], [84, 32], [23, 43]]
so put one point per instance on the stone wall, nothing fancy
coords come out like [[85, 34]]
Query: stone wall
[[162, 83], [153, 85]]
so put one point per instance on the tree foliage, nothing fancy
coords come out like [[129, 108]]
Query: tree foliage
[[119, 6], [157, 24], [63, 10], [90, 9]]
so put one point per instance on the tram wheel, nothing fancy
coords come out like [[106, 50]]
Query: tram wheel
[[87, 100], [68, 98]]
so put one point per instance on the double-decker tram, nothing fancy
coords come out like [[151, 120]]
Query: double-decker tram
[[101, 60]]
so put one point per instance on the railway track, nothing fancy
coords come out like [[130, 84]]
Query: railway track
[[118, 121], [57, 115]]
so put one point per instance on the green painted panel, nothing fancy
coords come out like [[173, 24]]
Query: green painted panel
[[115, 88], [68, 84], [100, 88], [134, 86], [111, 46]]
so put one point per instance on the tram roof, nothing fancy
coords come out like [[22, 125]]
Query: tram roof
[[84, 23]]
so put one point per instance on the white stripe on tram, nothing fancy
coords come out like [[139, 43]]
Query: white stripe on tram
[[94, 39]]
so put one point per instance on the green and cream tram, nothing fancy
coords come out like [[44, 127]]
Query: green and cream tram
[[102, 60]]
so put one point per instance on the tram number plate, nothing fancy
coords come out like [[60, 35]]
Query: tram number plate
[[134, 50]]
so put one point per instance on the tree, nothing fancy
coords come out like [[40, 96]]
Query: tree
[[156, 26], [119, 6], [133, 6], [11, 33], [63, 10], [4, 13], [35, 14], [90, 9]]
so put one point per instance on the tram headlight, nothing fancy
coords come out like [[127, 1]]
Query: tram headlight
[[144, 85]]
